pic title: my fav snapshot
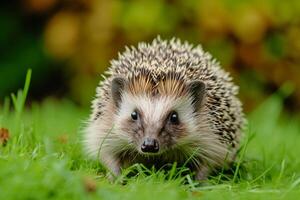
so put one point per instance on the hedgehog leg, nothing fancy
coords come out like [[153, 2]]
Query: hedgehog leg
[[202, 173], [113, 167]]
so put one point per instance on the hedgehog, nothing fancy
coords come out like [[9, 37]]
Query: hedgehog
[[165, 102]]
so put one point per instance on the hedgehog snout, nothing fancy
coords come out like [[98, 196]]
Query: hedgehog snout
[[150, 145]]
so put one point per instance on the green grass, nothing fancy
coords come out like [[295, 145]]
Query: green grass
[[43, 159]]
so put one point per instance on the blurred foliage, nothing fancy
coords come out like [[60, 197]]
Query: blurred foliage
[[257, 41]]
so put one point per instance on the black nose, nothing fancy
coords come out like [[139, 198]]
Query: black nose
[[150, 146]]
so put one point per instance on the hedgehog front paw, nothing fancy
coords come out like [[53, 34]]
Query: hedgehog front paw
[[113, 168], [112, 175], [113, 172], [202, 174]]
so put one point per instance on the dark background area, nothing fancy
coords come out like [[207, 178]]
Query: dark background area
[[69, 43]]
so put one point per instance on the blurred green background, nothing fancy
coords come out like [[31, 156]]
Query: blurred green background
[[68, 43]]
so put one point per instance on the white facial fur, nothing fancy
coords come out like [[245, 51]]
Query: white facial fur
[[156, 108], [199, 137]]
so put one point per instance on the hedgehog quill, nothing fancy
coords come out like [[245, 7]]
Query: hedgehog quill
[[162, 103]]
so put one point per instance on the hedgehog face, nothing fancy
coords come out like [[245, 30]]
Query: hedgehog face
[[154, 123]]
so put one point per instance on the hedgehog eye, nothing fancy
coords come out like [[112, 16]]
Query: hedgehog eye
[[134, 115], [174, 119]]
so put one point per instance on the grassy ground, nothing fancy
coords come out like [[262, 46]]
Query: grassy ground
[[43, 159]]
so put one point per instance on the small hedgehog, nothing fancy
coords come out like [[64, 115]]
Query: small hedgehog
[[162, 103]]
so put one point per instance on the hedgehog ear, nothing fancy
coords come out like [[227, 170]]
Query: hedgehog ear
[[117, 87], [197, 91]]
